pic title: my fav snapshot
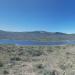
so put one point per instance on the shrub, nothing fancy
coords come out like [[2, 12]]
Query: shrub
[[47, 72], [34, 52], [63, 67], [1, 64], [54, 72], [15, 59], [50, 51], [5, 72], [40, 66]]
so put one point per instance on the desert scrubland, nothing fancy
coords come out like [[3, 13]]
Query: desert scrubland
[[37, 60]]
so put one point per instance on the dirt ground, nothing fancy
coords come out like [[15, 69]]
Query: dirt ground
[[37, 60]]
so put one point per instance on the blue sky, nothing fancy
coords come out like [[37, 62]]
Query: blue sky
[[37, 15]]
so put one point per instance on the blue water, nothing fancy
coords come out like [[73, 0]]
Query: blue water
[[22, 42]]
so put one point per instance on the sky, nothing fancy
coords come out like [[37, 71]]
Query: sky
[[37, 15]]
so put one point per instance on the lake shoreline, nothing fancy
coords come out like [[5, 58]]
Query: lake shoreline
[[35, 43]]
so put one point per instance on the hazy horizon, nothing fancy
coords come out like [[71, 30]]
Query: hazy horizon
[[37, 31], [37, 15]]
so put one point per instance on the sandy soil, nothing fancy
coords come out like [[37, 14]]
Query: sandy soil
[[37, 60]]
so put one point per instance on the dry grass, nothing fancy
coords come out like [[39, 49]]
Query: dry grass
[[37, 60]]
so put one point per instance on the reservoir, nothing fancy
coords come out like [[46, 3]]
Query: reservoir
[[28, 42]]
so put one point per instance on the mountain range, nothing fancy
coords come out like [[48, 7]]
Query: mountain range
[[36, 35]]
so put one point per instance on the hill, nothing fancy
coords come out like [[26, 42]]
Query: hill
[[36, 35]]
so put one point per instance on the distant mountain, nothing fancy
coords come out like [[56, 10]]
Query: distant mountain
[[37, 35]]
